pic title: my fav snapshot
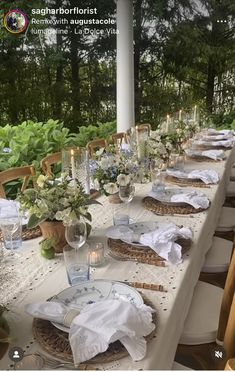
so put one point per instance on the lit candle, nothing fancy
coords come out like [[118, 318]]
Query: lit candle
[[73, 164], [195, 114], [167, 123], [87, 184], [97, 255], [138, 143], [180, 114]]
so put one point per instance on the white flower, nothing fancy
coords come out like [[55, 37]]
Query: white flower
[[41, 180], [100, 151], [111, 188], [123, 179], [107, 162]]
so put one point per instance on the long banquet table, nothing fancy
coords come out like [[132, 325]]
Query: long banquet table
[[33, 278]]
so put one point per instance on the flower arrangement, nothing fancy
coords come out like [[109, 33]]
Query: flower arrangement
[[160, 145], [55, 200], [112, 171]]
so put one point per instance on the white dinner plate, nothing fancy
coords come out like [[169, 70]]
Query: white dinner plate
[[80, 295], [138, 228], [166, 195], [181, 174]]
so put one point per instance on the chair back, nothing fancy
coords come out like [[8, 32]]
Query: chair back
[[229, 337], [227, 300], [144, 127], [94, 145], [230, 365], [14, 174], [119, 138], [48, 161]]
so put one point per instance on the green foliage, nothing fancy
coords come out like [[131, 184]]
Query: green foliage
[[30, 142], [91, 132]]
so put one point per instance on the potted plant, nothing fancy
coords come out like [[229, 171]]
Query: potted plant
[[52, 205]]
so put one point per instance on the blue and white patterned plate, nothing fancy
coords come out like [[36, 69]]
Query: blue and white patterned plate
[[80, 295]]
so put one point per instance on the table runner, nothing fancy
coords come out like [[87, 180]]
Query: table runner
[[179, 280]]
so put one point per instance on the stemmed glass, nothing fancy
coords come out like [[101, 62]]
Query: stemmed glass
[[10, 223], [76, 233]]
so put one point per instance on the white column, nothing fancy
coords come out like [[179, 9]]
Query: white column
[[125, 66]]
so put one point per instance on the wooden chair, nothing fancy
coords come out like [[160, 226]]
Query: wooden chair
[[210, 305], [48, 161], [94, 145], [144, 127], [14, 174], [119, 138], [230, 365]]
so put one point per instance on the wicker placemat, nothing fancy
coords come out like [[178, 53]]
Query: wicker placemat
[[186, 182], [213, 148], [28, 233], [140, 254], [56, 343], [201, 158], [161, 208]]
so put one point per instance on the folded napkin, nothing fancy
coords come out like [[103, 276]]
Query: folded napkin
[[195, 198], [220, 137], [99, 324], [222, 131], [8, 208], [206, 175], [214, 154], [226, 143], [11, 208], [161, 239]]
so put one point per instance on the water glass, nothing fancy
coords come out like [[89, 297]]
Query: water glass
[[77, 264], [12, 233]]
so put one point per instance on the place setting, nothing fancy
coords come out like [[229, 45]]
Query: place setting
[[206, 155], [196, 177], [171, 201], [152, 242]]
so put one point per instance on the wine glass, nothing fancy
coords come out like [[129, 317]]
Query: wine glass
[[10, 224], [126, 193], [76, 233]]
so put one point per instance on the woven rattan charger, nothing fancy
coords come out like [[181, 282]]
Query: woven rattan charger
[[55, 342], [123, 250], [202, 159], [185, 182], [158, 207], [28, 233]]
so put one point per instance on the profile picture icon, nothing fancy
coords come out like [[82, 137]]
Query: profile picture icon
[[15, 21]]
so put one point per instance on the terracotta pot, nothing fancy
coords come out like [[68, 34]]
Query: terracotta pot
[[57, 229], [114, 198]]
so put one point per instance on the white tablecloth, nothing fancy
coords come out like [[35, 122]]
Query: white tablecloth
[[172, 307]]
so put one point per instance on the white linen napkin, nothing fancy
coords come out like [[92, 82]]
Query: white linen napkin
[[11, 208], [8, 208], [99, 324], [226, 143], [195, 198], [214, 154], [222, 131], [206, 175], [161, 240]]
